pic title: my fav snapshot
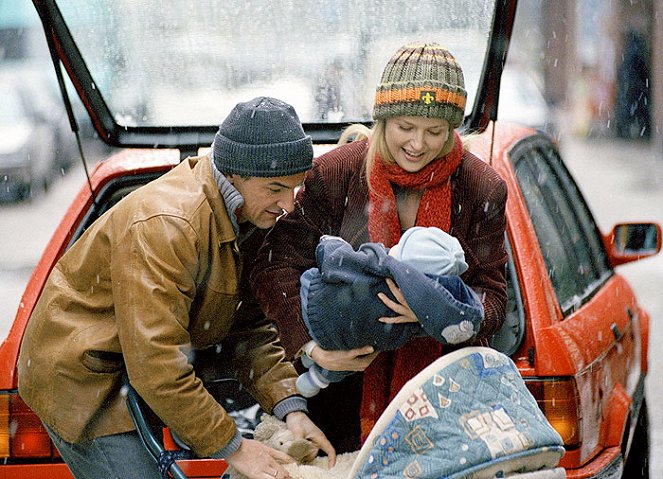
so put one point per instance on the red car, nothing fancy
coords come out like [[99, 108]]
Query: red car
[[157, 78]]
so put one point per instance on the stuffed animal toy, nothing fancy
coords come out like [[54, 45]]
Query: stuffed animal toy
[[274, 433]]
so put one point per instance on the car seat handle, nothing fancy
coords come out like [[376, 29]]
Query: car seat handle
[[164, 458]]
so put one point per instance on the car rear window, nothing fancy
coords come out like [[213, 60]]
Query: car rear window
[[187, 63]]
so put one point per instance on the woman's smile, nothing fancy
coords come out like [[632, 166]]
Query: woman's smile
[[415, 141], [414, 156]]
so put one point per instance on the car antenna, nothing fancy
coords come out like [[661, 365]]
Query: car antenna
[[72, 118], [492, 143]]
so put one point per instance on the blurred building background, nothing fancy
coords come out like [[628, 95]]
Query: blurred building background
[[594, 61], [598, 61]]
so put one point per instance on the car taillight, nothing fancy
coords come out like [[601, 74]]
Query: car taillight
[[558, 399], [22, 434], [4, 426]]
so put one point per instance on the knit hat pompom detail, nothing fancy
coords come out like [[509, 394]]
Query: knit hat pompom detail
[[262, 137], [422, 80]]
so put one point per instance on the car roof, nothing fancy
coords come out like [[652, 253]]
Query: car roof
[[167, 73]]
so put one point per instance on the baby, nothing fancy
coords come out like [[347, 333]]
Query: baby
[[341, 308]]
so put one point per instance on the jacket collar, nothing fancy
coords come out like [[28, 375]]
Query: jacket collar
[[232, 200], [231, 197], [225, 220]]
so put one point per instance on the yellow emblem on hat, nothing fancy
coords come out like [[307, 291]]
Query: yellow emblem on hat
[[427, 97]]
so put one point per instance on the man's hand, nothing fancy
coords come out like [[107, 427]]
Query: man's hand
[[352, 360], [302, 427], [400, 306], [258, 461]]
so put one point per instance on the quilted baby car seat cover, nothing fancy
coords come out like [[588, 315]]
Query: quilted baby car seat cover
[[467, 415]]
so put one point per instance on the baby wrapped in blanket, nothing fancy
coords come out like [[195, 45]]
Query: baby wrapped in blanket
[[341, 308]]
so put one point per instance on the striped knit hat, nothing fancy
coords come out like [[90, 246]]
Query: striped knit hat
[[422, 80]]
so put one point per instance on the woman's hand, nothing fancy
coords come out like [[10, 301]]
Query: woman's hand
[[302, 427], [400, 306], [356, 359], [258, 461]]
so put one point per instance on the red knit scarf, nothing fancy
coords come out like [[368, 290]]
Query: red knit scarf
[[391, 370]]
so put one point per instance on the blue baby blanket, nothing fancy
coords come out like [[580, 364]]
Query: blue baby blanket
[[467, 415]]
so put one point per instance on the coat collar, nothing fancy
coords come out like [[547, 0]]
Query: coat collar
[[226, 226]]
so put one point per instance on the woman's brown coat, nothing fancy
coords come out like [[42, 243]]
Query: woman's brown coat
[[334, 201]]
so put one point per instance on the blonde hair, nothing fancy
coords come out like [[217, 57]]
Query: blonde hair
[[377, 144]]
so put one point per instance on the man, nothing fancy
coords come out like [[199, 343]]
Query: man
[[157, 277]]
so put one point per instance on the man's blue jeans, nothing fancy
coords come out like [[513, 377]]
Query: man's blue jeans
[[119, 456]]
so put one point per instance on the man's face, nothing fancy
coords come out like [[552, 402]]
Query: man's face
[[265, 199]]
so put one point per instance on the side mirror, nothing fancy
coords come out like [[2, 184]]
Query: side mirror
[[633, 241]]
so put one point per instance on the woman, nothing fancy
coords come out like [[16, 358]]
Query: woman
[[410, 170]]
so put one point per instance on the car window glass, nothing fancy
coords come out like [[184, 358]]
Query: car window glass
[[583, 234], [557, 258], [590, 238], [186, 63], [564, 227]]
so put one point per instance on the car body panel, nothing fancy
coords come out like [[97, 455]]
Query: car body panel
[[540, 302], [603, 344], [35, 471], [194, 469]]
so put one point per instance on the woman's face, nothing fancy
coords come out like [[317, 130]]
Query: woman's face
[[415, 141]]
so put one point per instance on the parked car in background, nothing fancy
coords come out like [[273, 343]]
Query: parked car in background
[[37, 145], [28, 143], [574, 326]]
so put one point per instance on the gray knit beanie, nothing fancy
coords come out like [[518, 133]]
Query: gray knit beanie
[[262, 137], [422, 80]]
